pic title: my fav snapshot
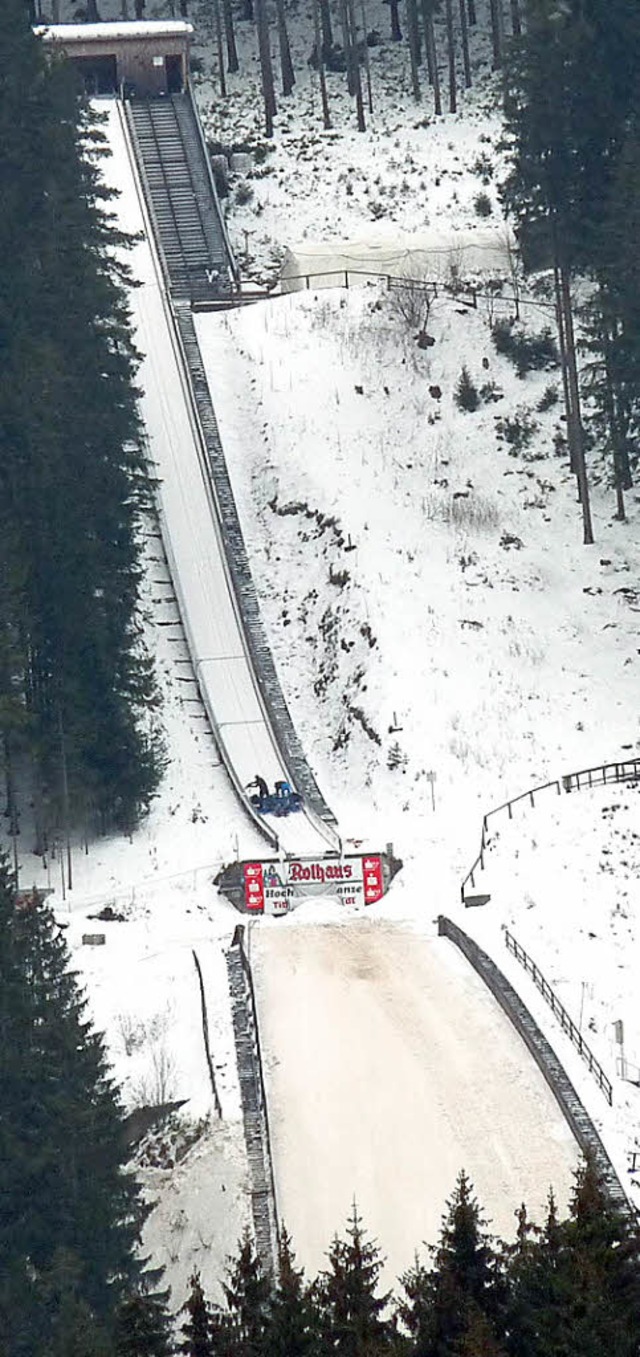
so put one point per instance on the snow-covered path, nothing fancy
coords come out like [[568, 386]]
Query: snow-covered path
[[389, 1067]]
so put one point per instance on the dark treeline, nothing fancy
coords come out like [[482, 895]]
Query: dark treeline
[[446, 42], [565, 1288], [72, 1283], [70, 1213], [76, 686], [572, 107]]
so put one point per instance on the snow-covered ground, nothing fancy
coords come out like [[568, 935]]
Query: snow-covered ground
[[444, 639], [388, 1067]]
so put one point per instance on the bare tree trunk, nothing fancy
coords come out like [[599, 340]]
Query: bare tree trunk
[[396, 31], [367, 63], [451, 47], [353, 38], [233, 64], [64, 778], [574, 420], [325, 24], [413, 38], [326, 116], [562, 340], [464, 33], [219, 53], [346, 44], [471, 11], [516, 21], [12, 808], [497, 33], [432, 55], [286, 64], [266, 67], [618, 425]]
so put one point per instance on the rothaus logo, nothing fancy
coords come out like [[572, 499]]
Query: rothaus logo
[[315, 871]]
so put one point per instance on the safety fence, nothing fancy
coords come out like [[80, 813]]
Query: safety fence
[[625, 770], [529, 796], [558, 1009], [453, 288], [254, 1102], [550, 1067], [628, 770], [205, 1035]]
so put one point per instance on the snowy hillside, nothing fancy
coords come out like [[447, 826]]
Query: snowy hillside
[[443, 638]]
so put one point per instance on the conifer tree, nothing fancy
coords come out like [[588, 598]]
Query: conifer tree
[[205, 1333], [64, 1189], [600, 1265], [248, 1294], [292, 1327], [142, 1327], [352, 1312], [464, 1292]]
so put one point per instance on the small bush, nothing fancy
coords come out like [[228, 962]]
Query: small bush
[[517, 430], [466, 395], [482, 205], [550, 397], [483, 167], [490, 393], [528, 353], [261, 151], [396, 758], [244, 194]]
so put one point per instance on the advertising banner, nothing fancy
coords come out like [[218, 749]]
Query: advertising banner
[[274, 887]]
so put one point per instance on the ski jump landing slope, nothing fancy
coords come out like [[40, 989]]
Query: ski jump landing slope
[[388, 1068], [189, 516]]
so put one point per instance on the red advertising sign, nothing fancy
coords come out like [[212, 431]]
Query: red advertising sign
[[372, 876], [273, 887], [253, 887]]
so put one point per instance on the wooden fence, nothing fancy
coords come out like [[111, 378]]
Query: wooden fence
[[625, 770], [558, 1009]]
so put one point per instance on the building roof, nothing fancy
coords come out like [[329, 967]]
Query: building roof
[[67, 34]]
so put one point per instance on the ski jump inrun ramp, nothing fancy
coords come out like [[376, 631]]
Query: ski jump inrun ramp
[[190, 519]]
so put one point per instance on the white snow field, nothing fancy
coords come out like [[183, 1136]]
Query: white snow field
[[389, 1067]]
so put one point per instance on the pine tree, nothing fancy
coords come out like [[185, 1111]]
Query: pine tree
[[292, 1327], [351, 1310], [63, 1185], [205, 1333], [464, 1292], [248, 1294], [142, 1328], [600, 1264]]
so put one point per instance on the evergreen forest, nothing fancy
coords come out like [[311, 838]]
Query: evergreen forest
[[77, 691]]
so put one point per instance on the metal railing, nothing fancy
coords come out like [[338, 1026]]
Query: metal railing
[[558, 1009], [508, 806], [625, 770], [550, 1067]]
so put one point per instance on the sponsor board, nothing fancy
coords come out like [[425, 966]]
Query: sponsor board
[[273, 887]]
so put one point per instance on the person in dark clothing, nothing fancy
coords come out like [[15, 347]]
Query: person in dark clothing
[[260, 785]]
